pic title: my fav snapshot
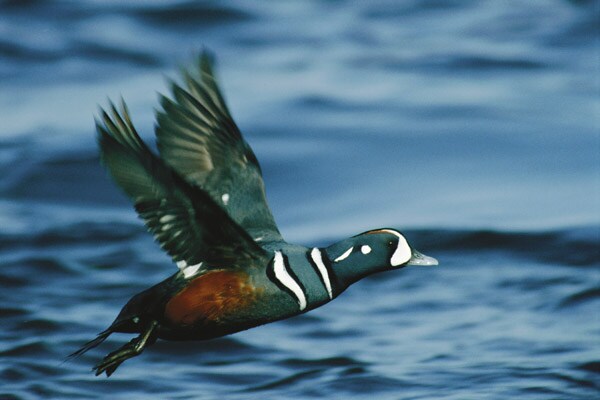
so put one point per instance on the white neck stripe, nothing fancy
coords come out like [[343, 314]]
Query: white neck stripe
[[284, 277], [317, 257]]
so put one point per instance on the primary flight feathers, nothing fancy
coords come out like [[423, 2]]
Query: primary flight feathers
[[184, 219], [198, 138]]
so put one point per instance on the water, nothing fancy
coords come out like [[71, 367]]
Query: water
[[473, 126]]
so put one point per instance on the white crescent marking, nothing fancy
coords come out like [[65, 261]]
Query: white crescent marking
[[316, 256], [283, 276], [403, 252]]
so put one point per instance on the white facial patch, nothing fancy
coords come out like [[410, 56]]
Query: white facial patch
[[344, 256], [365, 249], [283, 276], [403, 252], [225, 198]]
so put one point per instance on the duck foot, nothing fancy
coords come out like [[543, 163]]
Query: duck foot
[[134, 348]]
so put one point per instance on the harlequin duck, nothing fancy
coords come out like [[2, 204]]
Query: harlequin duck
[[204, 201]]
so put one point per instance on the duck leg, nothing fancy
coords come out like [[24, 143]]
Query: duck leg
[[135, 347]]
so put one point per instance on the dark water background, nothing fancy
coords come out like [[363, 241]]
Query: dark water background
[[473, 126]]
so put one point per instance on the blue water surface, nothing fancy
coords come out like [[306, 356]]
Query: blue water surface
[[472, 126]]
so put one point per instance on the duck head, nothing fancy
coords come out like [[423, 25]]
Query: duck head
[[373, 251]]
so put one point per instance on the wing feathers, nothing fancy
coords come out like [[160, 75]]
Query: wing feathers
[[198, 138], [184, 220]]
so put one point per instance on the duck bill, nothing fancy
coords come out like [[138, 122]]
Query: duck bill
[[421, 259]]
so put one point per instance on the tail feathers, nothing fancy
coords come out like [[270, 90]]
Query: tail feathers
[[102, 336]]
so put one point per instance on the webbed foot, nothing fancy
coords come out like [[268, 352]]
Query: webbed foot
[[134, 348]]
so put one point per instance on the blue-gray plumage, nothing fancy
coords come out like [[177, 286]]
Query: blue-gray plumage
[[204, 201]]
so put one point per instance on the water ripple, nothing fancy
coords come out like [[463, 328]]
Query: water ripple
[[447, 115]]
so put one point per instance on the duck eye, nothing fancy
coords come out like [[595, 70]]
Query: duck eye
[[135, 320]]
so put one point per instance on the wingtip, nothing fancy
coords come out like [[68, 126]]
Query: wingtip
[[203, 64], [206, 62], [206, 56], [123, 106]]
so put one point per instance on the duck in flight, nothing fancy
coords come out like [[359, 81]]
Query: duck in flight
[[203, 198]]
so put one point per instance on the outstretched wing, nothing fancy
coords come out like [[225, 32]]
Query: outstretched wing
[[184, 219], [198, 138]]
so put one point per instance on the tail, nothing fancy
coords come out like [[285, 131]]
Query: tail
[[102, 336]]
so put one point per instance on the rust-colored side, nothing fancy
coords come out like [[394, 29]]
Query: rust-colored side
[[211, 297]]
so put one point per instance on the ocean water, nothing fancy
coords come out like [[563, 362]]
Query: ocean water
[[472, 126]]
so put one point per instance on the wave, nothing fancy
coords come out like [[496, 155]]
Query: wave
[[577, 246]]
